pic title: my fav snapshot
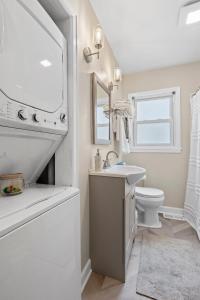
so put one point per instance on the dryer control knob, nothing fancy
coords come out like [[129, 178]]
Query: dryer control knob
[[22, 114], [62, 117], [36, 118]]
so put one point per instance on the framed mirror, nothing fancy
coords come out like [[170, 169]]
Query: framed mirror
[[101, 107]]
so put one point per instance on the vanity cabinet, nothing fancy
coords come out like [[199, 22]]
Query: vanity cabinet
[[112, 225]]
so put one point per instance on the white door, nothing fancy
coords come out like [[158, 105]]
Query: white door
[[41, 259]]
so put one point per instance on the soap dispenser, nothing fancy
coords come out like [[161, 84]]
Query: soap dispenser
[[98, 161]]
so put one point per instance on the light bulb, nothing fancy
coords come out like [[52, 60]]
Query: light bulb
[[117, 75], [98, 37]]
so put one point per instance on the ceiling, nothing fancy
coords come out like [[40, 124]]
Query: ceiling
[[145, 34]]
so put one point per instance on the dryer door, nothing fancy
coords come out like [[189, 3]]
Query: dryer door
[[31, 56]]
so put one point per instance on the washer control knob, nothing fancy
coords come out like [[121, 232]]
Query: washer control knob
[[62, 117], [22, 114], [36, 118]]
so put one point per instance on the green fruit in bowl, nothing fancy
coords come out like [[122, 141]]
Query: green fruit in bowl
[[11, 190]]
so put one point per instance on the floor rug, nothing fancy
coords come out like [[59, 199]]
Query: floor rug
[[169, 269]]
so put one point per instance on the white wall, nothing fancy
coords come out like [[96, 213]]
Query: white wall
[[87, 22]]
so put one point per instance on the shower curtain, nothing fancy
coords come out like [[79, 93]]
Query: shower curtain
[[192, 200]]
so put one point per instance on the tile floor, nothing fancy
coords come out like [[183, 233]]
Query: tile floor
[[105, 288]]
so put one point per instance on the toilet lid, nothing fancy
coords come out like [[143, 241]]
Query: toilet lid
[[148, 192]]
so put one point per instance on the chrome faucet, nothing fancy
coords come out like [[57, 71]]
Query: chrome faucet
[[107, 161]]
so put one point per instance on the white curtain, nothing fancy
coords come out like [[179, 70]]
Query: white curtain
[[192, 201]]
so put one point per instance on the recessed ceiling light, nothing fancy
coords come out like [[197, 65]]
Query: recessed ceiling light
[[45, 63], [190, 14]]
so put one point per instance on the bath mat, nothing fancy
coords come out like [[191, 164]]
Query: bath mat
[[169, 269]]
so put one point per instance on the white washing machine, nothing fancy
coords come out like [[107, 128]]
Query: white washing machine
[[39, 248], [39, 229]]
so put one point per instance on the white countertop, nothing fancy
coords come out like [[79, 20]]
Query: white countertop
[[123, 171], [105, 172]]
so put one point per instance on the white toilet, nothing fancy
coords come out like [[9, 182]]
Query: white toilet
[[148, 202]]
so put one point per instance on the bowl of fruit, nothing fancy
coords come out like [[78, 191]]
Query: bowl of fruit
[[11, 184]]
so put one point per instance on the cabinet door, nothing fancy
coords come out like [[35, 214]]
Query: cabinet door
[[130, 225]]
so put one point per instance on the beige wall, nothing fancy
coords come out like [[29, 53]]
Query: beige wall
[[87, 21], [167, 171]]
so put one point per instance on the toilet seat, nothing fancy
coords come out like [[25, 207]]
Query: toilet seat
[[148, 199], [146, 192]]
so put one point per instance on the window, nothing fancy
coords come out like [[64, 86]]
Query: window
[[157, 120]]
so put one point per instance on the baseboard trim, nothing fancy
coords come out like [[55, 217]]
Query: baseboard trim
[[85, 274], [172, 212]]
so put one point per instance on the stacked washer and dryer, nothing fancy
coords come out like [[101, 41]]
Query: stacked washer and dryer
[[40, 228]]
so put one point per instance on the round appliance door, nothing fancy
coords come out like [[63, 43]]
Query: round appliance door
[[31, 57]]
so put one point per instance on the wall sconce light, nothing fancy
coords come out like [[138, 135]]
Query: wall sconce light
[[117, 76], [98, 40]]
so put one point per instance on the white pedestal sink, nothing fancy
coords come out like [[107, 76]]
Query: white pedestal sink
[[132, 173]]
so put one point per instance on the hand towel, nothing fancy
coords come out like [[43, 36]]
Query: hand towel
[[131, 132], [123, 141]]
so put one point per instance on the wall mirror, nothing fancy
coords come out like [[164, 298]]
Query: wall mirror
[[101, 103]]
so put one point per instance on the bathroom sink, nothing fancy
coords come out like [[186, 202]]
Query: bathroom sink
[[132, 173]]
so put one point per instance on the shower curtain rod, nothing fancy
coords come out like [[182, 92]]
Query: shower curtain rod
[[196, 91]]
